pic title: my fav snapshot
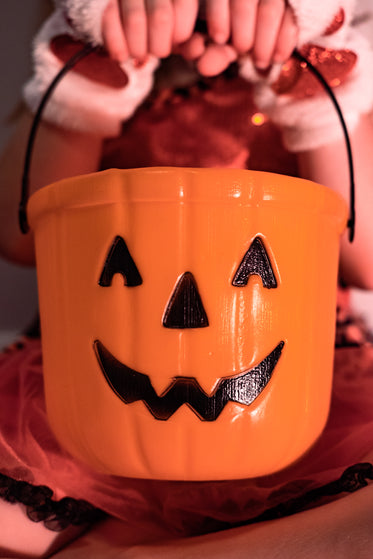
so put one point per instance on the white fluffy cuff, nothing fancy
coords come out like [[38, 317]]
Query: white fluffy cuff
[[77, 102], [311, 122], [85, 17], [315, 16]]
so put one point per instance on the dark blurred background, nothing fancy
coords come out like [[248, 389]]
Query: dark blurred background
[[19, 19]]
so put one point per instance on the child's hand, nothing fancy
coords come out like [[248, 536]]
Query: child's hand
[[136, 28], [264, 28]]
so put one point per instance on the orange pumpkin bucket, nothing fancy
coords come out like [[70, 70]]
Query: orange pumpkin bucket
[[187, 318]]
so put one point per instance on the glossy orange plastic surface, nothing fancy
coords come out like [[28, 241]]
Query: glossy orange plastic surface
[[188, 318]]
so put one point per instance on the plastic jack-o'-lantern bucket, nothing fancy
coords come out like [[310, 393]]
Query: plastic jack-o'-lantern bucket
[[187, 318]]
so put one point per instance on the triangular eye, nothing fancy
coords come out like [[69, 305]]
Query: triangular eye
[[255, 262], [120, 261]]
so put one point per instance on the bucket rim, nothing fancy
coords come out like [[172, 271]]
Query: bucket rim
[[237, 186]]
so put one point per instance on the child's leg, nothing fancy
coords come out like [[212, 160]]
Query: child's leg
[[22, 538]]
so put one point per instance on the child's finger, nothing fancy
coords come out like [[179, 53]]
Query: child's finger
[[160, 27], [112, 32], [185, 15], [134, 22], [218, 20], [193, 48], [287, 37], [216, 59], [270, 14], [243, 20]]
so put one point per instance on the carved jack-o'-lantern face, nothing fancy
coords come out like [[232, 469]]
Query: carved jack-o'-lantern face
[[181, 330], [184, 310]]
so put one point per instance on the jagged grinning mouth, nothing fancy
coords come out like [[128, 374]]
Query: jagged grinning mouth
[[131, 386]]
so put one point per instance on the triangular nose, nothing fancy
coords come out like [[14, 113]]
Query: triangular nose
[[185, 308]]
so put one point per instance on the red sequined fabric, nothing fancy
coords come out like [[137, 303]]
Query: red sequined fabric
[[336, 24], [213, 123], [296, 80], [97, 66]]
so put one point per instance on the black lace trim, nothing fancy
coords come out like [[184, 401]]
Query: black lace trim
[[40, 507], [353, 478], [58, 515]]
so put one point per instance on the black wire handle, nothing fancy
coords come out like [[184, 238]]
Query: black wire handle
[[352, 217], [22, 211]]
